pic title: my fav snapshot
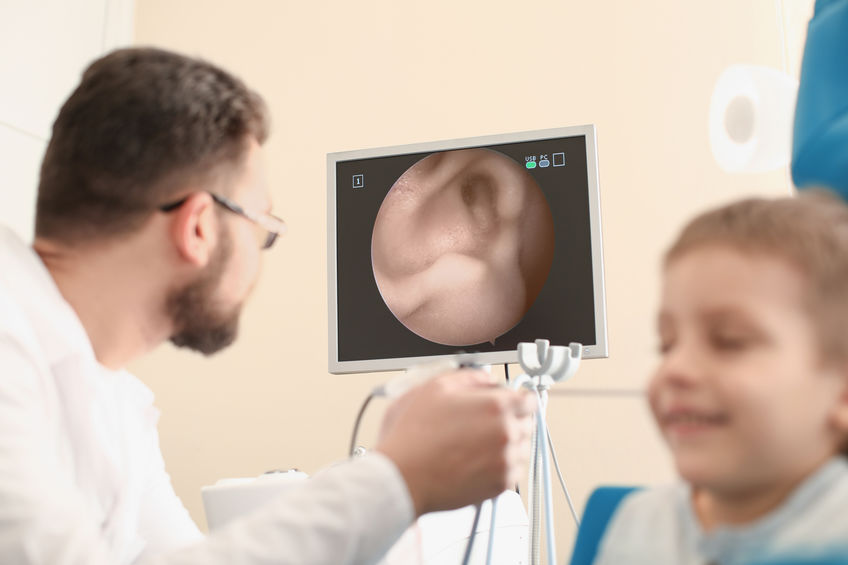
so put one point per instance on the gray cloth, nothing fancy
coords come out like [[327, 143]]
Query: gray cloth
[[658, 526]]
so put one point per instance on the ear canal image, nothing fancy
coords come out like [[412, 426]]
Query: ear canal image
[[462, 245]]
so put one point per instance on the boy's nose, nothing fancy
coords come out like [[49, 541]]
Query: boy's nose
[[680, 366]]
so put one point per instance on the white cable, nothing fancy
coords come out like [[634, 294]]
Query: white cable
[[522, 381], [467, 557], [562, 480], [491, 532], [533, 502], [546, 480], [543, 368]]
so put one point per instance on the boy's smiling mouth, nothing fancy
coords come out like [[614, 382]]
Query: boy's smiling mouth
[[687, 421]]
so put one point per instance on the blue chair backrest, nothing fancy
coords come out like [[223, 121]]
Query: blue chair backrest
[[599, 509], [820, 139]]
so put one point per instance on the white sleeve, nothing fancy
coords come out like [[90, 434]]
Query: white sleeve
[[164, 523], [349, 514], [43, 516]]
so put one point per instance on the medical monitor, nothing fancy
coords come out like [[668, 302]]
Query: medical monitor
[[467, 246]]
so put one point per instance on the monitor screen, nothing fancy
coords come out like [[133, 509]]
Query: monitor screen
[[467, 246]]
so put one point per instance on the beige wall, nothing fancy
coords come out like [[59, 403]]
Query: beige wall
[[350, 75], [44, 47]]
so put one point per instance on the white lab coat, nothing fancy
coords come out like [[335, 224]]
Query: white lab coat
[[82, 479]]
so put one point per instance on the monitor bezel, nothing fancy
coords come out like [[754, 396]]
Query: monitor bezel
[[596, 351]]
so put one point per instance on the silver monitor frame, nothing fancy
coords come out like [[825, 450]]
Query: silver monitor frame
[[596, 351]]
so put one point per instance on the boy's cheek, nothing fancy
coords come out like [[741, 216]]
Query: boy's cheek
[[653, 402]]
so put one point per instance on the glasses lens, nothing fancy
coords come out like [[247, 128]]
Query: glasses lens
[[274, 227], [270, 238]]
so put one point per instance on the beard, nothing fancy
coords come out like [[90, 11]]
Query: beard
[[201, 323]]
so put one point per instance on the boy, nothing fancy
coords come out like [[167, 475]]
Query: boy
[[751, 394]]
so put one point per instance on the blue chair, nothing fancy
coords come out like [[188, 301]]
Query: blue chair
[[820, 138], [599, 509]]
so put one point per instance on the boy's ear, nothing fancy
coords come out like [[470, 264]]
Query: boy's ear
[[839, 413]]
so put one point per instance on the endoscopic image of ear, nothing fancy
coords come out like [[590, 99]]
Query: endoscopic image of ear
[[462, 245]]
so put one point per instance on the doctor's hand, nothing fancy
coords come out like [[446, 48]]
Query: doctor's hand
[[458, 439]]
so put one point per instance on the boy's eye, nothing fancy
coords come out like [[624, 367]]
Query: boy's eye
[[731, 342], [665, 345]]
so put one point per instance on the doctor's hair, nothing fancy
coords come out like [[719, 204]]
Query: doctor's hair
[[808, 231], [142, 128]]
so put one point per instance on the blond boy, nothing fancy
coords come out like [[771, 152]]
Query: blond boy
[[751, 392]]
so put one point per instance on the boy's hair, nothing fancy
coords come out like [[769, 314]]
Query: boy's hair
[[809, 231], [142, 125]]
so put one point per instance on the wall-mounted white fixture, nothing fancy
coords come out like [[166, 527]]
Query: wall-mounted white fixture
[[750, 120]]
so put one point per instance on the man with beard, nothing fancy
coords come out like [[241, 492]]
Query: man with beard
[[151, 217]]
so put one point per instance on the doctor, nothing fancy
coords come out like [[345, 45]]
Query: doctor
[[152, 215]]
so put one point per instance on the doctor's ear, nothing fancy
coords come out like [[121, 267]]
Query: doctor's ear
[[193, 228]]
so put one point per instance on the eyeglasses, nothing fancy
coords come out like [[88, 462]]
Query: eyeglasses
[[272, 226]]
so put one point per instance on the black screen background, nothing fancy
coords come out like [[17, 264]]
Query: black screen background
[[563, 312]]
